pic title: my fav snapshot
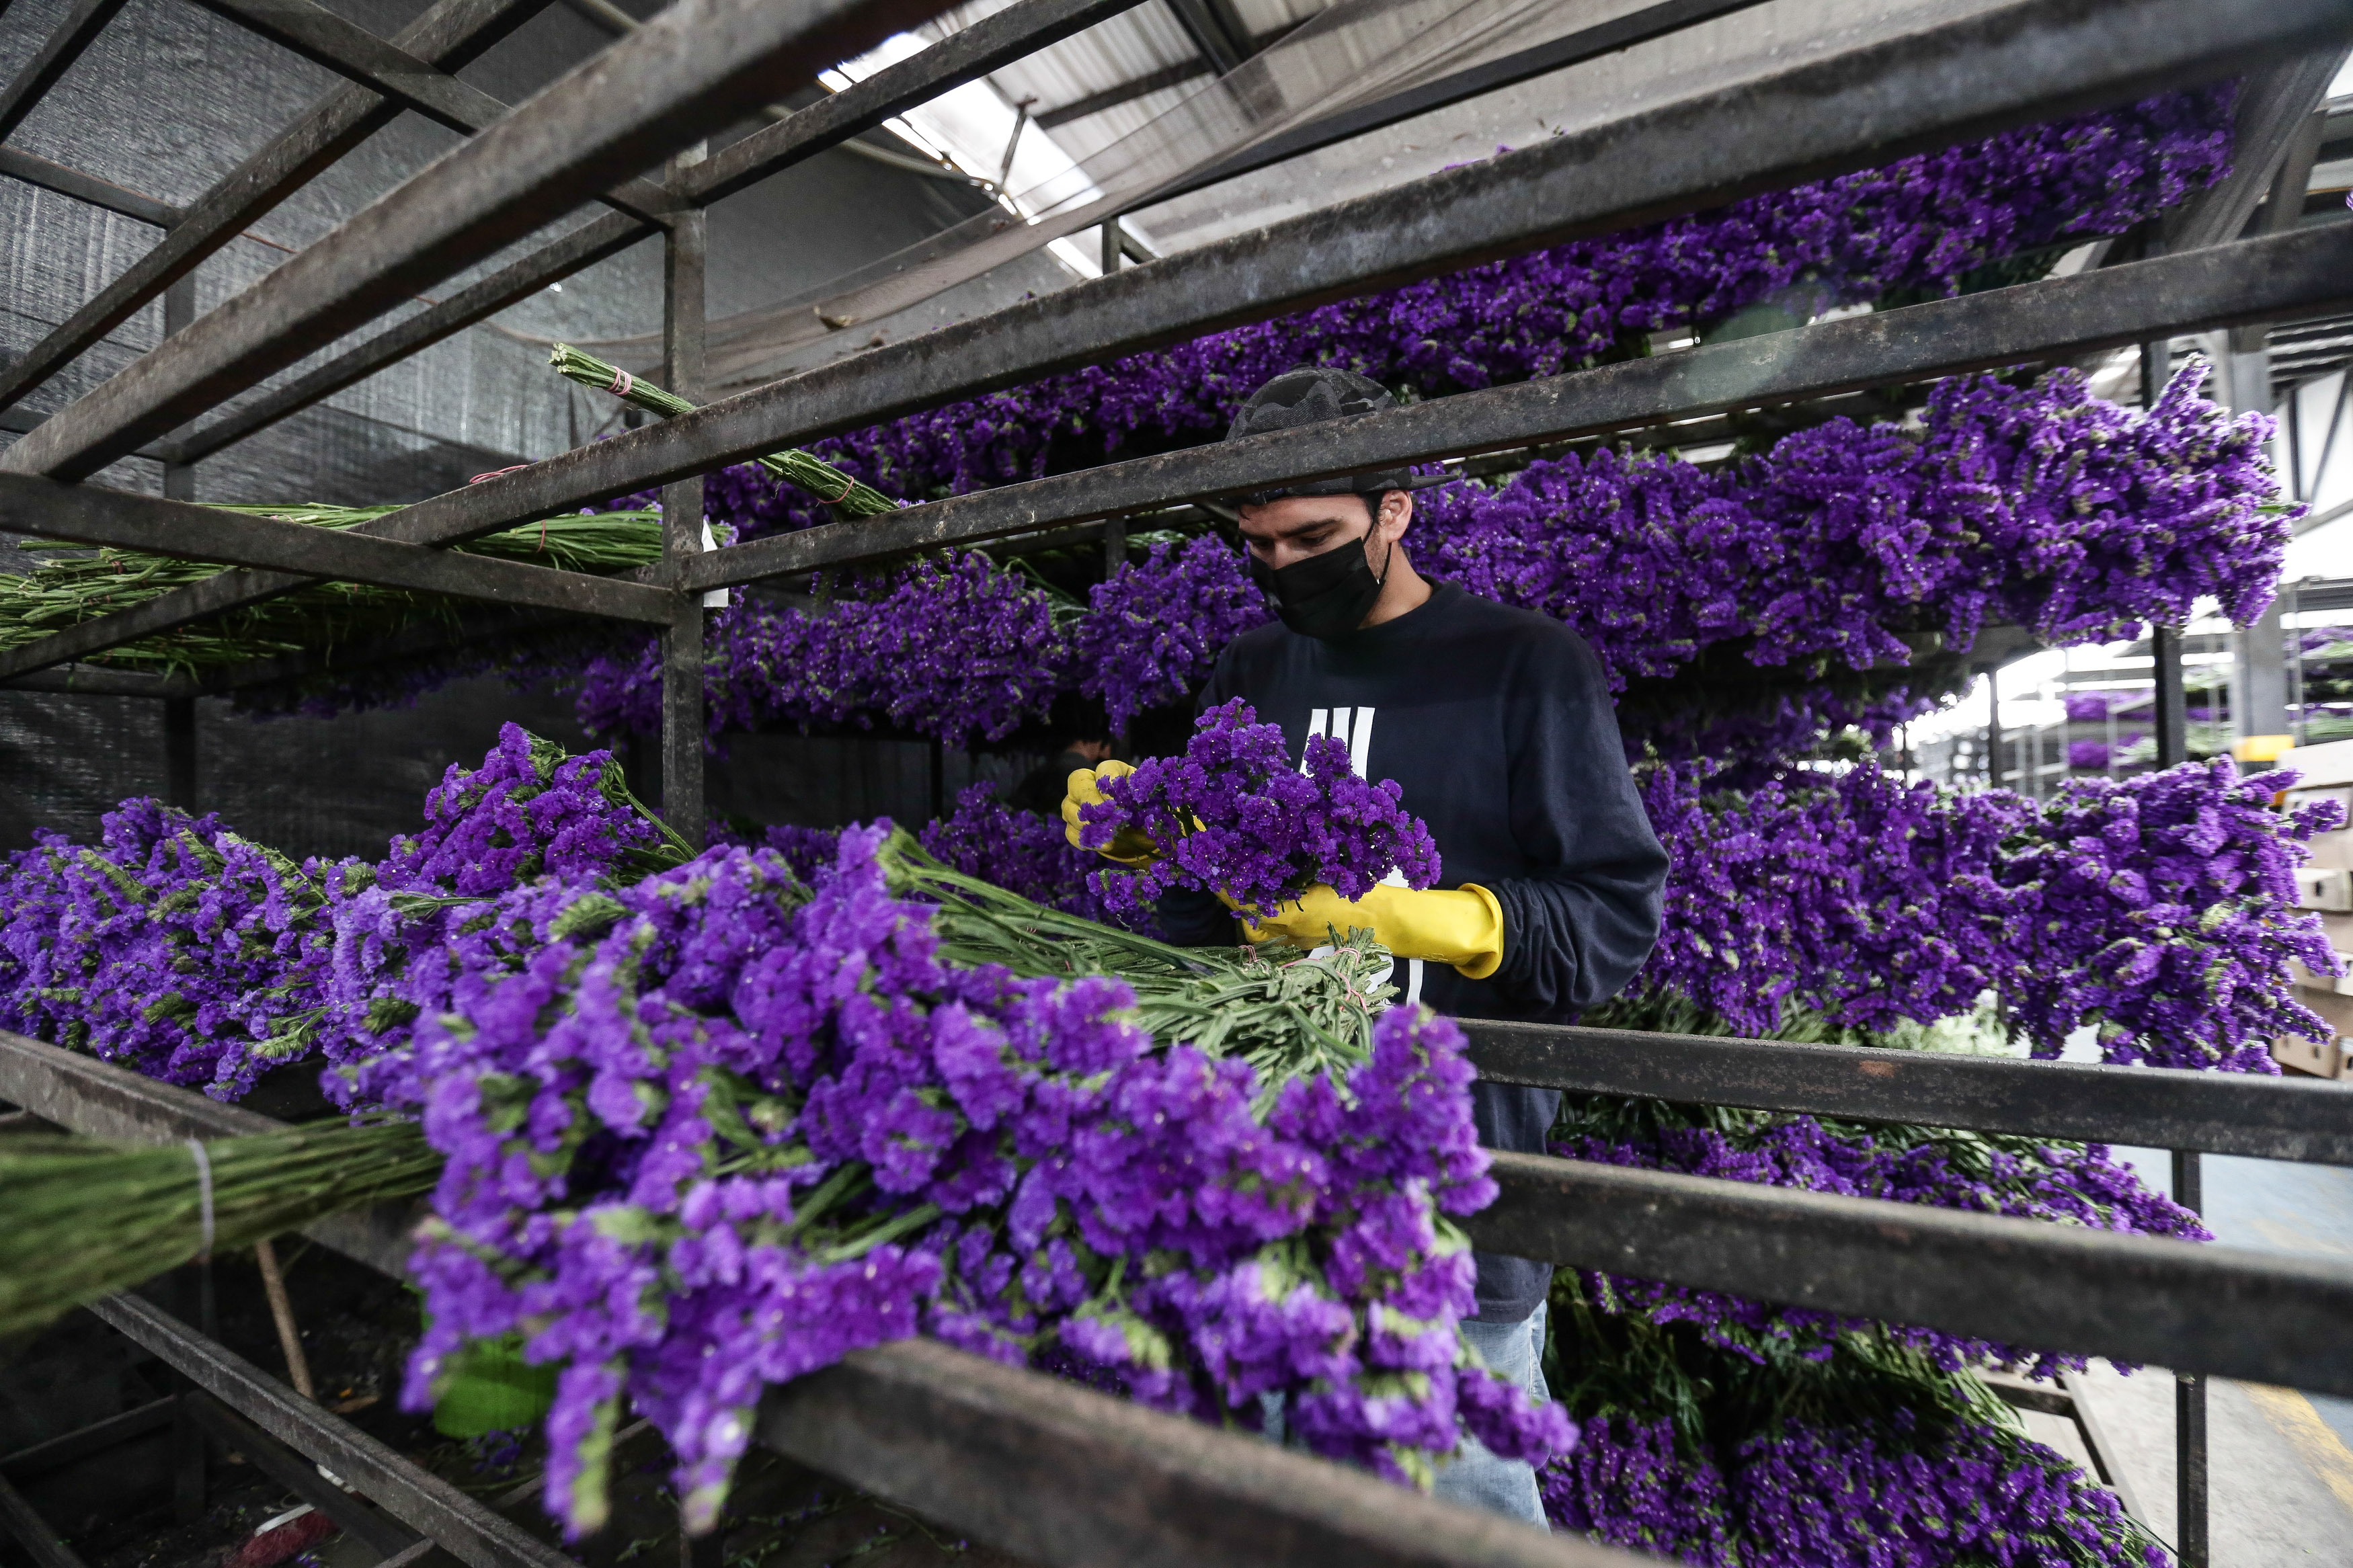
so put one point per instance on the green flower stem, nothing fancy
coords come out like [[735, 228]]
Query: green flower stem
[[847, 495]]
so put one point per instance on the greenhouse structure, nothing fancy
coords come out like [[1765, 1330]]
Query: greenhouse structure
[[695, 858]]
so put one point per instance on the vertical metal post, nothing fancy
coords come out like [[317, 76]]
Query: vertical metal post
[[1114, 546], [1111, 245], [179, 312], [180, 484], [683, 259], [1995, 773], [939, 780], [2172, 698], [2189, 1535]]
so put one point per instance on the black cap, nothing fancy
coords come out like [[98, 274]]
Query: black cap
[[1306, 396]]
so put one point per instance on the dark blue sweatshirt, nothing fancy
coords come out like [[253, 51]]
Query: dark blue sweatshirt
[[1497, 724]]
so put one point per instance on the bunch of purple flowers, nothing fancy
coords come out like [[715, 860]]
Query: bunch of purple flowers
[[1233, 816], [1018, 851], [1895, 1492], [951, 647], [2161, 908], [715, 1129], [2038, 504], [1153, 631], [1917, 226], [165, 947]]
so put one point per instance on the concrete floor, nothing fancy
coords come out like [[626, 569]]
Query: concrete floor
[[2281, 1462]]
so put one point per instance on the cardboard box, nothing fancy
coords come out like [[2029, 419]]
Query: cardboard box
[[2335, 1011], [2314, 1058], [2324, 887], [2317, 767]]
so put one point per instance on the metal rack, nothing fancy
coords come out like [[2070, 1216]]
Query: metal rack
[[1028, 1463]]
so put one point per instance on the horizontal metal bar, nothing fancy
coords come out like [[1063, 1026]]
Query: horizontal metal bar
[[1946, 81], [18, 421], [386, 1537], [65, 43], [99, 1099], [40, 1542], [83, 188], [1604, 38], [697, 67], [89, 515], [584, 246], [95, 1438], [2149, 1108], [414, 1496], [965, 54], [93, 680], [1060, 1475], [2233, 1311], [2276, 277], [450, 34], [321, 37], [996, 40]]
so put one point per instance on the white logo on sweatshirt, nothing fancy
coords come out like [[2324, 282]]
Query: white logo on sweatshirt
[[1352, 728], [1355, 732]]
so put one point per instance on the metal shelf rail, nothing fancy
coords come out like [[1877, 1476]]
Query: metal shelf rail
[[1023, 1462]]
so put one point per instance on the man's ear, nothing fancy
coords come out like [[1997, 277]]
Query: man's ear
[[1396, 513]]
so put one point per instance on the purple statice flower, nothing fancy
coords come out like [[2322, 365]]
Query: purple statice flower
[[2088, 756], [2039, 505], [1233, 816], [1890, 1492], [527, 810], [715, 1129], [1154, 629], [1914, 226], [2161, 908], [2088, 707], [807, 850], [1984, 1173], [165, 947], [1020, 851], [954, 648]]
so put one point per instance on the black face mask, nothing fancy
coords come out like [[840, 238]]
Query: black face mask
[[1326, 596]]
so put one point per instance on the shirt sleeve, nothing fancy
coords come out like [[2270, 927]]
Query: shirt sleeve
[[1584, 918]]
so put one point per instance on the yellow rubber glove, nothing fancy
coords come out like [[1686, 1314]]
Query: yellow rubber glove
[[1463, 927], [1129, 847]]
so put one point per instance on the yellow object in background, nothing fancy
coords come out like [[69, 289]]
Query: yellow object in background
[[2261, 748], [1462, 926]]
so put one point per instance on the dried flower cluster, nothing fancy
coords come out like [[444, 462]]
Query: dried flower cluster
[[1233, 816]]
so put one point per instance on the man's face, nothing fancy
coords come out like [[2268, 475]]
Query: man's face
[[1296, 527]]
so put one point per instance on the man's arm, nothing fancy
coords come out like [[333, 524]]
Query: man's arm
[[1582, 921]]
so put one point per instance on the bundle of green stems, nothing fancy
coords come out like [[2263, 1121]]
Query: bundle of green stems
[[1287, 1012], [84, 1219], [73, 583], [848, 497]]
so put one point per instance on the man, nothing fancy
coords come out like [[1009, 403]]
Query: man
[[1498, 725]]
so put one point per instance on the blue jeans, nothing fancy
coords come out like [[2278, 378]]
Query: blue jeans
[[1476, 1477]]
